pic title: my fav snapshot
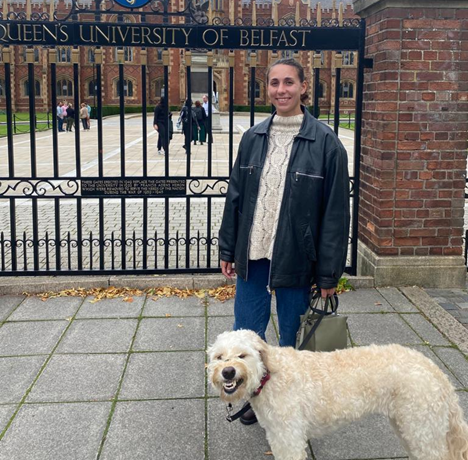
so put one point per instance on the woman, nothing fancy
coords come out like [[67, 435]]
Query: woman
[[160, 124], [84, 115], [286, 217], [190, 129], [201, 117]]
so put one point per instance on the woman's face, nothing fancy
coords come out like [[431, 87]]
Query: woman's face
[[285, 90]]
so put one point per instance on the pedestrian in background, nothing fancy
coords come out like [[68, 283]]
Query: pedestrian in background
[[209, 117], [84, 115], [59, 113], [190, 129], [201, 118], [89, 115], [70, 117], [160, 124], [64, 113]]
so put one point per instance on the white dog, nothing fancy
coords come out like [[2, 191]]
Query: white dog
[[310, 394]]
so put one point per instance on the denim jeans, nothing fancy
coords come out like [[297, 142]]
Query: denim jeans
[[252, 305]]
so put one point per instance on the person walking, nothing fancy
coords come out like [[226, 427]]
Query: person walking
[[89, 116], [70, 117], [190, 129], [84, 115], [285, 225], [59, 113], [201, 118], [160, 124], [64, 113], [209, 117]]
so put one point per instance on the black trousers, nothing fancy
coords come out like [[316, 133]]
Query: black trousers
[[162, 129]]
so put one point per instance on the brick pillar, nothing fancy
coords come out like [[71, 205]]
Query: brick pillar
[[414, 141]]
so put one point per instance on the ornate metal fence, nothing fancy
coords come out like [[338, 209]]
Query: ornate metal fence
[[106, 211]]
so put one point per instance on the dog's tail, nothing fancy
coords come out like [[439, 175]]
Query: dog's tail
[[457, 436]]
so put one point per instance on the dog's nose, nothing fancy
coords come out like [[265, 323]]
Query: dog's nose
[[228, 373]]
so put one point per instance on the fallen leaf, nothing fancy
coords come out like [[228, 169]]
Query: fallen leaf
[[168, 315], [377, 303], [180, 325], [268, 452], [128, 299]]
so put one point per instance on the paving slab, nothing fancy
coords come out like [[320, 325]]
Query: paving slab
[[7, 304], [169, 430], [79, 378], [217, 308], [164, 375], [369, 438], [111, 308], [456, 362], [55, 431], [98, 336], [191, 306], [380, 329], [16, 376], [397, 300], [234, 440], [170, 334], [425, 329], [33, 308], [6, 412], [32, 337], [363, 301]]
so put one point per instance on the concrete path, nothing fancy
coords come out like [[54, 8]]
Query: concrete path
[[126, 380]]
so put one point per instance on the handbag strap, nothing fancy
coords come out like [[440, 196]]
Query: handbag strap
[[322, 314]]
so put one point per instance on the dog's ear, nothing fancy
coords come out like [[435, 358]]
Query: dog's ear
[[266, 354]]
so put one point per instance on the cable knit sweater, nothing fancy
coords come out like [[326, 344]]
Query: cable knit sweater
[[270, 194]]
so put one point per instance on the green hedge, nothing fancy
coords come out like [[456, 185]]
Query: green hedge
[[258, 108]]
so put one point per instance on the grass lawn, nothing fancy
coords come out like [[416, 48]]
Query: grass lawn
[[22, 122]]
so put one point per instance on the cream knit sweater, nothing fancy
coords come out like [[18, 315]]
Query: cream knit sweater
[[272, 181]]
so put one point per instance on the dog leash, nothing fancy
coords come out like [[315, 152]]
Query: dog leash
[[233, 418]]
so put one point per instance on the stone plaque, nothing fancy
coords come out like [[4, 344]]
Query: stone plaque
[[133, 187]]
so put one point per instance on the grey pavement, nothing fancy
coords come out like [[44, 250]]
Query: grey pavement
[[127, 380]]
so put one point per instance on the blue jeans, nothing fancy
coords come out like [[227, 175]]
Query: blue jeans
[[252, 305]]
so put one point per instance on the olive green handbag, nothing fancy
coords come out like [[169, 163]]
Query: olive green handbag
[[322, 329]]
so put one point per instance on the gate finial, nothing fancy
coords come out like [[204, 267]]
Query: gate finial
[[5, 9], [274, 13], [319, 14], [28, 9], [340, 14], [298, 16], [51, 10], [254, 13]]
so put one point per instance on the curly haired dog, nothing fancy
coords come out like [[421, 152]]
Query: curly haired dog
[[310, 394]]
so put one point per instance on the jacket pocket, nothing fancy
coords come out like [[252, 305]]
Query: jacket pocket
[[309, 245], [298, 175]]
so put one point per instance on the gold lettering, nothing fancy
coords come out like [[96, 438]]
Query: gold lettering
[[293, 37], [244, 41], [187, 33], [156, 34], [145, 31], [173, 35], [113, 35], [47, 31], [81, 35], [273, 36], [136, 39], [255, 37], [303, 32], [223, 36], [262, 36], [63, 31], [205, 39], [27, 33], [3, 33], [37, 32], [122, 36], [164, 36], [103, 35], [282, 38]]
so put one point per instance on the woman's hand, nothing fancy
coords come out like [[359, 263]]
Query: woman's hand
[[327, 292], [156, 127], [226, 268]]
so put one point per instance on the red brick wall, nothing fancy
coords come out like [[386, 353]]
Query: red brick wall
[[414, 136]]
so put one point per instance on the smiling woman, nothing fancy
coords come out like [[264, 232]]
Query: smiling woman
[[286, 217]]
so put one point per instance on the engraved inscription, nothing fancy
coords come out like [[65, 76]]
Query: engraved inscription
[[133, 187]]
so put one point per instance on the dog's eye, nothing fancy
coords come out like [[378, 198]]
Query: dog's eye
[[242, 356], [219, 357]]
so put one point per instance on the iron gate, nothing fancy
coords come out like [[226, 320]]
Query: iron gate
[[76, 206]]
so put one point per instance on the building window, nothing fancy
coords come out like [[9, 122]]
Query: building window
[[287, 54], [128, 88], [2, 87], [321, 89], [128, 54], [92, 88], [91, 58], [347, 90], [64, 88], [348, 58], [159, 87], [63, 54], [36, 54], [159, 54], [258, 89], [37, 88]]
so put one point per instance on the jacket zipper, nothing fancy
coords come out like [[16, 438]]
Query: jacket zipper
[[279, 217], [250, 168], [307, 175]]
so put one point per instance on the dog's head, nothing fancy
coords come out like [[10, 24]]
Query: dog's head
[[237, 364]]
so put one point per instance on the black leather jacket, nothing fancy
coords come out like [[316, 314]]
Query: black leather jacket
[[311, 240]]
